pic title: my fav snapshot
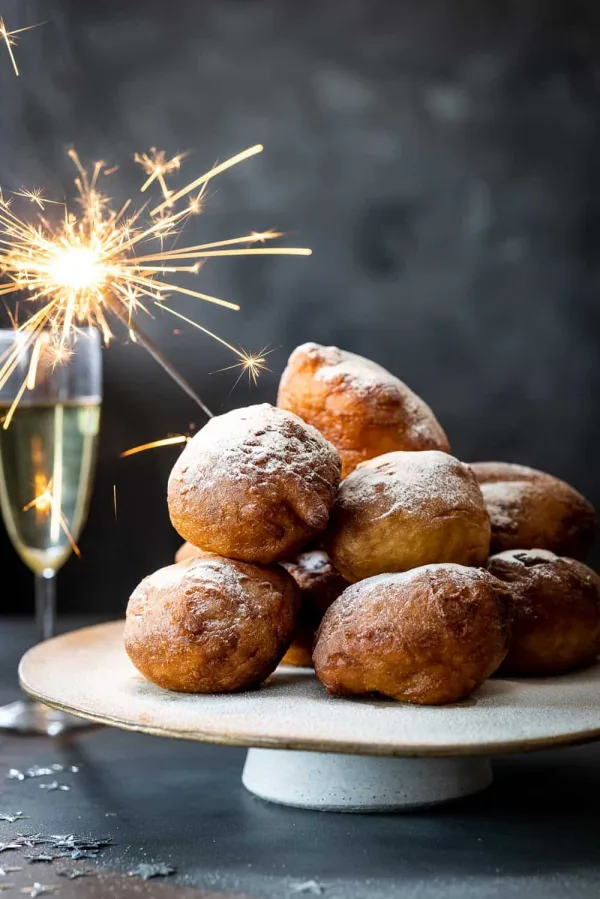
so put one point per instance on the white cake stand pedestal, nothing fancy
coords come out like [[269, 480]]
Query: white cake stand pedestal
[[332, 782]]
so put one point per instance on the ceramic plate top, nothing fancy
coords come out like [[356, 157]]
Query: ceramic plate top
[[87, 672]]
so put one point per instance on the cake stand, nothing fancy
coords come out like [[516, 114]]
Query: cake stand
[[313, 751]]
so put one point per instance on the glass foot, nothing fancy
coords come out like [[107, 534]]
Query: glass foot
[[28, 717]]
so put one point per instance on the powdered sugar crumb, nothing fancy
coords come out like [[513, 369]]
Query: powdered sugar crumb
[[523, 555], [314, 560]]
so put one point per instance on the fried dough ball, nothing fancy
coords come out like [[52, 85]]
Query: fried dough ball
[[530, 509], [403, 510], [255, 484], [427, 636], [211, 625], [553, 610], [320, 584], [187, 551], [359, 406]]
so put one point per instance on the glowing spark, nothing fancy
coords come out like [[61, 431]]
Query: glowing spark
[[156, 165], [35, 195], [43, 503], [115, 500], [10, 39], [254, 364], [42, 500], [85, 269], [195, 206], [58, 354], [166, 441]]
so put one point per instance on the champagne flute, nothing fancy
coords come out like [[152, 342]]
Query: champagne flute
[[47, 462]]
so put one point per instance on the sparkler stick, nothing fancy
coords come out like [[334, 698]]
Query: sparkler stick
[[140, 337], [170, 369]]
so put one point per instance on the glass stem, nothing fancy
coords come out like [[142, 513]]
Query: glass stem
[[45, 604]]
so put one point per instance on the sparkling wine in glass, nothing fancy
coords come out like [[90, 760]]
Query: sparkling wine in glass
[[47, 462]]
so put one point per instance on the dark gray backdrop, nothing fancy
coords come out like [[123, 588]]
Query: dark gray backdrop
[[441, 158]]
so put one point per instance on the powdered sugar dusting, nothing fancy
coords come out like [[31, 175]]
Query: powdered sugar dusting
[[207, 571], [367, 379], [264, 432], [384, 588], [223, 575], [463, 573], [413, 482], [504, 500], [361, 374], [494, 472], [253, 443]]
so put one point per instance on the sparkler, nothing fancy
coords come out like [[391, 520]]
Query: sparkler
[[35, 195], [44, 504], [154, 444], [252, 364], [89, 267], [156, 165], [10, 39]]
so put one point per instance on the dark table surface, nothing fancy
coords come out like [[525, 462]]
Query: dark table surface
[[534, 833]]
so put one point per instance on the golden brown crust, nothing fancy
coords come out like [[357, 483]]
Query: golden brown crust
[[428, 636], [187, 551], [362, 409], [255, 484], [299, 654], [403, 510], [530, 509], [553, 609], [211, 625], [320, 584]]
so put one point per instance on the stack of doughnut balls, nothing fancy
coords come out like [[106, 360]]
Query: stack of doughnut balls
[[336, 530]]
